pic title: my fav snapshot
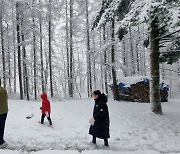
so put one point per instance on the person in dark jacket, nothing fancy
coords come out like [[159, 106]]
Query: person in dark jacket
[[100, 121], [3, 114], [46, 109]]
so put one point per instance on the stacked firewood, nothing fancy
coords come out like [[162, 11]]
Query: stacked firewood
[[139, 92]]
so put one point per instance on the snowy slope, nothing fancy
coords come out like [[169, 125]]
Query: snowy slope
[[134, 129]]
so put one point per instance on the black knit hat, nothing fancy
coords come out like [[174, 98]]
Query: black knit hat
[[97, 92]]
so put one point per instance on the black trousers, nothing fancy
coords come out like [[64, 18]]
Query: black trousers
[[48, 118], [2, 126], [105, 141]]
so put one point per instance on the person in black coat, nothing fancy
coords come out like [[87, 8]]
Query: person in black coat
[[100, 121]]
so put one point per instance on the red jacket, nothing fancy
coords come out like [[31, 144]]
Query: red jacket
[[46, 107]]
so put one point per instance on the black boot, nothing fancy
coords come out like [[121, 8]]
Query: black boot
[[106, 143], [94, 140]]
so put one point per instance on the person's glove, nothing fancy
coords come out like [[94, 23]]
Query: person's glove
[[91, 121], [40, 108], [47, 114]]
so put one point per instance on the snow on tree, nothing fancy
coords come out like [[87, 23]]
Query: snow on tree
[[52, 56], [162, 18]]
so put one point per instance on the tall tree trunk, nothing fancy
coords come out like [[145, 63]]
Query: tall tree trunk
[[14, 50], [93, 61], [171, 83], [93, 65], [137, 53], [102, 73], [71, 90], [41, 49], [89, 72], [25, 72], [18, 19], [115, 86], [26, 83], [154, 63], [67, 46], [144, 54], [132, 53], [105, 62], [9, 60], [2, 44], [124, 58], [23, 6], [144, 61], [46, 74], [50, 49], [35, 58]]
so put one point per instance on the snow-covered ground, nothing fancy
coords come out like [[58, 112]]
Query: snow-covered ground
[[134, 129]]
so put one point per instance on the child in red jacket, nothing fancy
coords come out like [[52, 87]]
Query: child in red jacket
[[46, 109]]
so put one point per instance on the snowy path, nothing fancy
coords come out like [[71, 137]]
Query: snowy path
[[134, 129]]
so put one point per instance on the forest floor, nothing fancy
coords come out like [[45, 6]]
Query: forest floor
[[134, 129]]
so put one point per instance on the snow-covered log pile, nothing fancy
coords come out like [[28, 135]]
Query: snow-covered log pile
[[136, 89]]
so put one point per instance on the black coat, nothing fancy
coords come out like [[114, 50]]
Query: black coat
[[100, 128]]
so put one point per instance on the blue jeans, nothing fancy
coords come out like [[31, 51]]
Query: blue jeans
[[2, 126]]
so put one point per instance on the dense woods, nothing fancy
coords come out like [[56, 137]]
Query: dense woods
[[70, 48]]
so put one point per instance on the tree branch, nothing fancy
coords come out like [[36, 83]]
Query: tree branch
[[5, 28]]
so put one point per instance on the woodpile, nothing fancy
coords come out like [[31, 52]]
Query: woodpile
[[139, 92]]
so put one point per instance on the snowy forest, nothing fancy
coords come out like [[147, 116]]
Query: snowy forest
[[70, 48]]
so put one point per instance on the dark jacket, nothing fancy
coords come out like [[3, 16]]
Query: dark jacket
[[3, 101], [100, 128]]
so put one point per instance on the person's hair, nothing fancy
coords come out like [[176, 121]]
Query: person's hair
[[97, 92]]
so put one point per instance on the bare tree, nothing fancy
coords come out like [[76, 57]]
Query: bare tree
[[14, 47], [67, 46], [25, 72], [34, 51], [18, 20], [115, 86], [41, 48], [89, 73], [71, 90], [2, 44], [9, 59], [132, 52], [50, 47], [105, 62], [23, 40]]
